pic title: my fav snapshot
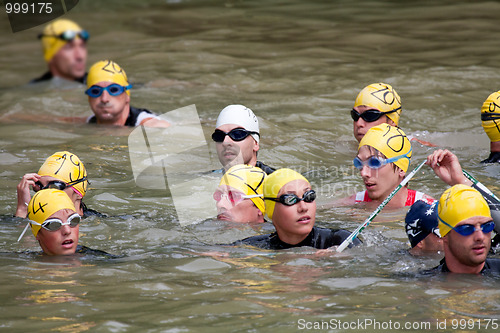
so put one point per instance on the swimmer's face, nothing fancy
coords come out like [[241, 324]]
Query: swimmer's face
[[232, 152], [70, 61], [231, 207], [62, 241], [294, 223], [110, 110], [379, 183], [360, 127]]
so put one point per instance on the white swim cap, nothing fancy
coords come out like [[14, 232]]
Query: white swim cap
[[239, 115]]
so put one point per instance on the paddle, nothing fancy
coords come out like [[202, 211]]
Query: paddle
[[478, 184], [356, 232]]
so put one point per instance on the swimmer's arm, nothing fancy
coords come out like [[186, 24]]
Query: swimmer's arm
[[425, 143], [155, 122]]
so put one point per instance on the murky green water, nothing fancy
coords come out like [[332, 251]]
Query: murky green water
[[299, 66]]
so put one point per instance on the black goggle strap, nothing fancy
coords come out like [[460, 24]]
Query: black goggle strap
[[490, 116]]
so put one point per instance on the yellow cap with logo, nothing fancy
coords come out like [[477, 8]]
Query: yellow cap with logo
[[273, 184], [45, 203], [459, 203], [51, 43], [390, 141], [248, 179], [107, 71], [383, 97], [67, 167], [490, 116]]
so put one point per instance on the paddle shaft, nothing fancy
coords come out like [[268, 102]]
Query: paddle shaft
[[358, 230], [478, 184]]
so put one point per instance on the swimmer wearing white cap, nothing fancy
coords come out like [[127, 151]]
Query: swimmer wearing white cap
[[237, 137]]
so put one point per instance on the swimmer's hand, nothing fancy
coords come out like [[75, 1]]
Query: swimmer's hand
[[23, 193], [327, 251]]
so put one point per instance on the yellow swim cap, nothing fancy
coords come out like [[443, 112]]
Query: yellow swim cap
[[67, 167], [390, 141], [248, 179], [107, 71], [382, 97], [490, 116], [459, 203], [273, 184], [51, 44], [45, 203]]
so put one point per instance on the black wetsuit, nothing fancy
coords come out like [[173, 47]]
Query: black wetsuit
[[131, 119], [266, 168], [319, 238], [48, 76], [491, 266], [493, 158], [81, 249], [90, 212]]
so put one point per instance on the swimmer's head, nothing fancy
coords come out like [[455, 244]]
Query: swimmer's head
[[67, 167], [57, 33], [273, 184], [420, 221], [247, 179], [390, 141], [45, 203], [458, 203], [107, 71], [490, 116], [241, 116], [382, 97]]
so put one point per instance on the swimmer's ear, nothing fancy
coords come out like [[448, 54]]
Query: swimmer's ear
[[256, 146], [401, 173]]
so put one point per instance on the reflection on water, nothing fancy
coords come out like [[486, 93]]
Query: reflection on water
[[298, 65]]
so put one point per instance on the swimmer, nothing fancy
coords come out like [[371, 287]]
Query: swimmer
[[64, 46], [55, 224], [108, 92], [239, 197], [290, 204], [63, 171], [490, 119], [377, 103], [237, 138], [447, 167], [383, 159], [465, 224], [421, 226]]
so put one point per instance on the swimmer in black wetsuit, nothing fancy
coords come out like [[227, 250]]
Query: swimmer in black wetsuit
[[55, 223], [490, 119], [237, 138], [290, 203], [65, 50], [109, 98], [62, 170]]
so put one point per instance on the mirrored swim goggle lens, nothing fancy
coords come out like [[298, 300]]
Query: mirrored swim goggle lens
[[113, 89], [468, 229], [368, 116], [69, 35], [237, 134], [56, 224]]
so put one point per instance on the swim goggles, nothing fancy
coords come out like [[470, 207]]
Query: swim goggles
[[56, 224], [58, 184], [113, 89], [369, 115], [490, 116], [69, 35], [233, 196], [376, 162], [468, 229], [237, 134], [292, 199]]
